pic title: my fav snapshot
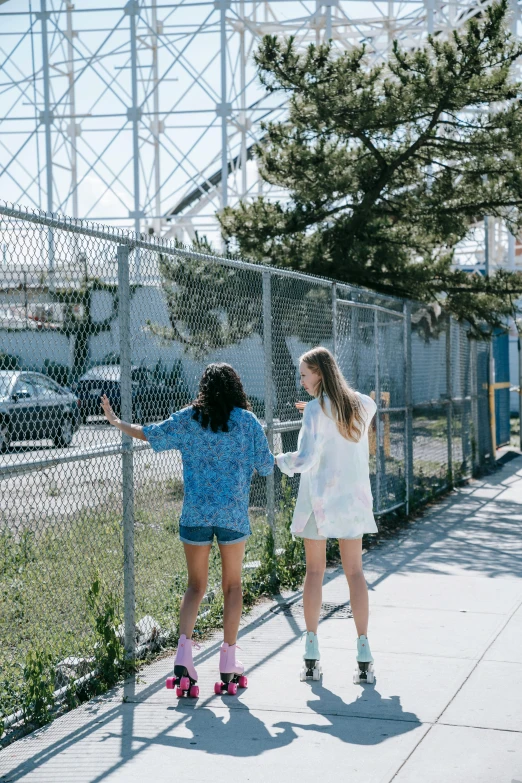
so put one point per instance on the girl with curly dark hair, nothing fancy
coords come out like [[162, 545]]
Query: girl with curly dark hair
[[221, 443]]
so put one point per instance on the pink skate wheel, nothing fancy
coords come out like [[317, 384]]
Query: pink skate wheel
[[218, 689], [184, 683], [179, 693], [194, 691], [170, 683], [232, 688], [243, 681]]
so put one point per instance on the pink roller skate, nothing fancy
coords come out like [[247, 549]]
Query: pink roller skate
[[185, 675], [231, 671]]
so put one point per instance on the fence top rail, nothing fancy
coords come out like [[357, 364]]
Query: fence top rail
[[159, 245], [369, 306]]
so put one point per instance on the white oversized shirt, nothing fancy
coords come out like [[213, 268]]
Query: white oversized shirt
[[335, 481]]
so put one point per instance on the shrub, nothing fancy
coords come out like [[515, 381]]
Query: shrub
[[9, 362], [57, 372]]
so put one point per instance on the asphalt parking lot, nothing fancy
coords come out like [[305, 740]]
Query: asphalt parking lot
[[57, 482]]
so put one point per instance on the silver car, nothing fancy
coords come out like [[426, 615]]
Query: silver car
[[34, 407]]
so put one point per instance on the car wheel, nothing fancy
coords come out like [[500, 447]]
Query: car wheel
[[65, 433], [4, 438]]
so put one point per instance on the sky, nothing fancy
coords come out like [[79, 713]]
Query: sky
[[189, 71]]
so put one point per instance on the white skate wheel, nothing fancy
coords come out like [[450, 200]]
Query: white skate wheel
[[302, 675], [316, 674], [370, 678], [356, 678]]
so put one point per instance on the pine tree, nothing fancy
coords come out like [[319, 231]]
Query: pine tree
[[388, 167]]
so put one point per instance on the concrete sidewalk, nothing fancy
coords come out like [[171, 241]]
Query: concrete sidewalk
[[446, 634]]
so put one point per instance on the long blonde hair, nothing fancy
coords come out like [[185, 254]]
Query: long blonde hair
[[346, 407]]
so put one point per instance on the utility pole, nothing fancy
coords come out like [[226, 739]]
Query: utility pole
[[73, 128], [224, 109], [46, 117], [156, 122], [242, 98]]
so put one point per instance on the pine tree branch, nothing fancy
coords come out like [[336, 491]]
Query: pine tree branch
[[373, 149]]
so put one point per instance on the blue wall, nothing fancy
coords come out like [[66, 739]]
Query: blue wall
[[501, 354]]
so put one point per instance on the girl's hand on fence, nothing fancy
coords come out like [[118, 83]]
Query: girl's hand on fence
[[301, 406], [107, 410]]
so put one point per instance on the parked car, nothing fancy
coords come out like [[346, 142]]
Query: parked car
[[34, 407], [153, 398]]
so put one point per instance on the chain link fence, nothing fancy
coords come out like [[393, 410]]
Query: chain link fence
[[88, 519]]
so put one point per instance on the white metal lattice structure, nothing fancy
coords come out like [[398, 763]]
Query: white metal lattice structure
[[144, 113]]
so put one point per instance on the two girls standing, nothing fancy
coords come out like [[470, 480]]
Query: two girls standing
[[222, 443]]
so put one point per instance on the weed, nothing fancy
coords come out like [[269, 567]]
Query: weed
[[109, 656], [175, 489], [53, 491], [39, 686]]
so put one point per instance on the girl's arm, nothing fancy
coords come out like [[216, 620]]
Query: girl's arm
[[263, 457], [134, 430], [308, 447]]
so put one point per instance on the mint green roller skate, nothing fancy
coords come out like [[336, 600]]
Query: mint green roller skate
[[364, 671], [311, 668]]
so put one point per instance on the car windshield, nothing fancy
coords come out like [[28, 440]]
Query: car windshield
[[5, 383], [102, 373]]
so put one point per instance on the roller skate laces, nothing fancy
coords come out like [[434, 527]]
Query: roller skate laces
[[185, 675]]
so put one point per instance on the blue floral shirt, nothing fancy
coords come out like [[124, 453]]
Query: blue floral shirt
[[217, 466]]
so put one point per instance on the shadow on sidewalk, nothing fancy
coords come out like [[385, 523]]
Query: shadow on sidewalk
[[378, 720], [240, 733]]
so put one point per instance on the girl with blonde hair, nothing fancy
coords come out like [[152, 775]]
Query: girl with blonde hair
[[335, 496]]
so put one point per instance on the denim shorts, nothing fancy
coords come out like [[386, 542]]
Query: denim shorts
[[202, 536]]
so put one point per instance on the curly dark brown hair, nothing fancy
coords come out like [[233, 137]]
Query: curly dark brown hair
[[220, 390]]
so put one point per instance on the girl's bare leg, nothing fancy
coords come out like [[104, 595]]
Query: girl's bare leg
[[351, 556], [313, 585], [231, 566], [197, 565]]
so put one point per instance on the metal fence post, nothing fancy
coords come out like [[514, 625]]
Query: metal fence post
[[127, 455], [269, 395], [473, 389], [449, 402], [464, 393], [519, 389], [334, 321], [378, 465], [408, 414], [491, 399]]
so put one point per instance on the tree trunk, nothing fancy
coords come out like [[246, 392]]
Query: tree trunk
[[81, 351]]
